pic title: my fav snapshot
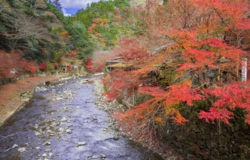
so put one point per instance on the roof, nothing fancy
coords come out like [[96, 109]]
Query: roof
[[119, 65]]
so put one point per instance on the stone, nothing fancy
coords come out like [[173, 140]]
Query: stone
[[36, 126], [21, 149], [95, 157], [103, 156], [51, 154], [47, 143], [44, 155], [7, 150], [68, 131], [37, 134], [116, 138], [94, 118], [81, 144], [49, 131], [60, 130], [48, 150], [15, 146]]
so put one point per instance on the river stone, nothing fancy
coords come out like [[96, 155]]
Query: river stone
[[44, 155], [116, 138], [36, 126], [103, 156], [81, 144], [60, 130], [15, 146], [48, 150], [95, 157], [7, 150], [49, 131], [47, 143], [21, 149], [68, 131], [51, 154], [63, 119], [53, 124], [37, 134]]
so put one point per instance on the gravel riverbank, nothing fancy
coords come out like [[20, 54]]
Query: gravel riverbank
[[15, 95]]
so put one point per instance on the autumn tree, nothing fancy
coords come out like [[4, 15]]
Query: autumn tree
[[206, 66], [13, 65]]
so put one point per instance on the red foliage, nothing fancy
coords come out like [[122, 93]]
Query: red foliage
[[12, 65], [69, 68], [132, 51], [120, 81], [95, 67], [43, 66], [227, 99], [200, 45], [89, 64], [71, 54]]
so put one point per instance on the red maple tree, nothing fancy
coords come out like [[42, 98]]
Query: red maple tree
[[13, 65]]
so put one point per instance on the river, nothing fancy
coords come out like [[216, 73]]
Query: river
[[63, 122]]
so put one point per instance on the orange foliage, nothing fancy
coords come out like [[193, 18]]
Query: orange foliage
[[197, 28]]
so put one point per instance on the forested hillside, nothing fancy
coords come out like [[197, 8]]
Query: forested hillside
[[36, 32], [103, 21], [35, 36]]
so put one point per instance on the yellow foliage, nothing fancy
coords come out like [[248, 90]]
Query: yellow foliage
[[64, 33], [96, 20], [103, 44], [115, 41], [104, 21]]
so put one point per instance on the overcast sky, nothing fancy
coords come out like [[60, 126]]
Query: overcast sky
[[72, 6]]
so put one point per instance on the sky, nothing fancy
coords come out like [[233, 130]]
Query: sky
[[72, 6]]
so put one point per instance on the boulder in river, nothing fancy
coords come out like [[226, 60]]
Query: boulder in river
[[116, 138], [103, 156], [47, 143], [15, 146], [21, 149], [81, 144], [95, 157], [68, 131]]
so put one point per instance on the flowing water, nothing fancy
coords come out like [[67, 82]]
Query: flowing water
[[62, 122]]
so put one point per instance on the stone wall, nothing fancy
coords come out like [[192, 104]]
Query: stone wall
[[197, 140]]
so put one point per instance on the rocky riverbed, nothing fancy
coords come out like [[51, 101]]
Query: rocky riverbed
[[67, 122]]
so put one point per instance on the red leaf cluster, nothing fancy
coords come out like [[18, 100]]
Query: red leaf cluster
[[43, 66], [12, 64]]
